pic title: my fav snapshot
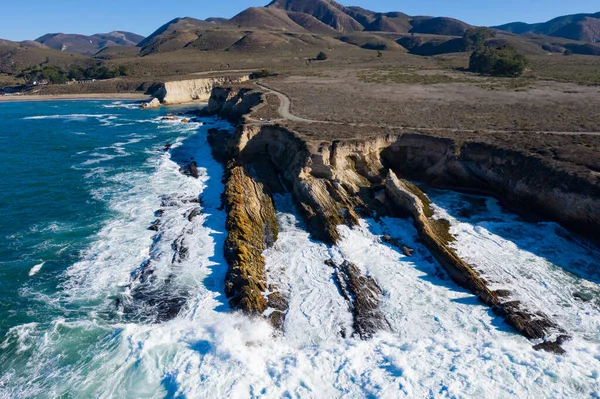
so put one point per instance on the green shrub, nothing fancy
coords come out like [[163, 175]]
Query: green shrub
[[321, 56], [56, 75], [476, 37], [498, 61], [264, 73]]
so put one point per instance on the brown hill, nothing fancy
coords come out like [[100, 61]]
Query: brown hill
[[116, 52], [327, 11], [310, 23], [174, 35], [365, 17], [390, 24], [582, 27], [586, 29], [88, 45], [270, 42], [14, 57], [266, 18], [439, 26], [371, 41], [216, 40]]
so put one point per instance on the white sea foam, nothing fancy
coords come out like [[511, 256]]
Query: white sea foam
[[121, 104], [538, 263], [70, 117], [36, 269]]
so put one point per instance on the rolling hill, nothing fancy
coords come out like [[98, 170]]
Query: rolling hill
[[581, 27], [88, 45], [14, 57]]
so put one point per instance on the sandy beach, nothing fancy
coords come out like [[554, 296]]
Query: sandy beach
[[98, 96]]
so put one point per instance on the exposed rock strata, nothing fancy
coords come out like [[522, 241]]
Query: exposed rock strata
[[334, 182], [436, 236], [252, 228], [232, 104], [185, 91], [527, 184]]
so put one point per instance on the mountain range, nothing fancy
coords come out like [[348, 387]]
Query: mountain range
[[581, 27], [88, 45], [287, 25]]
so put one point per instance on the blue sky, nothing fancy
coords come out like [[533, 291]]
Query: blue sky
[[30, 19]]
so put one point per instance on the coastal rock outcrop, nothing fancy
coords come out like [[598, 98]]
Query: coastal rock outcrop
[[252, 227], [527, 184], [154, 103], [436, 235], [184, 91], [336, 182]]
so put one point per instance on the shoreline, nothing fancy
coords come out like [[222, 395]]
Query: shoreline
[[82, 97]]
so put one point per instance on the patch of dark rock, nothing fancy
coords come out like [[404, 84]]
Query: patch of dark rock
[[155, 225], [181, 251], [343, 333], [277, 319], [532, 326], [363, 296], [190, 169], [553, 346], [277, 301], [193, 213], [502, 293]]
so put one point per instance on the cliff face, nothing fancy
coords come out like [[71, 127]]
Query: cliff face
[[528, 184], [184, 91], [334, 182]]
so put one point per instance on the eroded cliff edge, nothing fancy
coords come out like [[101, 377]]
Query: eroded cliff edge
[[188, 90], [333, 182]]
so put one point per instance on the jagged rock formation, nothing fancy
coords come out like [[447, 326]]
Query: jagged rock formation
[[232, 104], [148, 296], [334, 182], [363, 295], [527, 184], [252, 228]]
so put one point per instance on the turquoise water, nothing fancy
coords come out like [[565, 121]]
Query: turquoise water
[[79, 186], [57, 165]]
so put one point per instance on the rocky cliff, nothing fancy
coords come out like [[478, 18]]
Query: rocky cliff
[[185, 91], [334, 182]]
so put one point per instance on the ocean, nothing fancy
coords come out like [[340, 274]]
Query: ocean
[[83, 183]]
